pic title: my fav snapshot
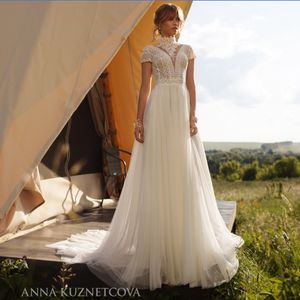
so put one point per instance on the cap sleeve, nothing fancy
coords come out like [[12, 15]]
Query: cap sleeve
[[191, 53], [146, 55]]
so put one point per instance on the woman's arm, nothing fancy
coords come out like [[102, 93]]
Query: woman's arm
[[190, 83], [144, 89], [143, 97]]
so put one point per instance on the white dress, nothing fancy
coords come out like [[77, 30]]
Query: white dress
[[167, 228]]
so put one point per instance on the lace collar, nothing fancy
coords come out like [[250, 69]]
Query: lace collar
[[169, 44], [166, 40]]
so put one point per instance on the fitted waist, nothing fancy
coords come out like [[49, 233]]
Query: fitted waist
[[161, 84], [181, 85], [170, 82], [171, 79]]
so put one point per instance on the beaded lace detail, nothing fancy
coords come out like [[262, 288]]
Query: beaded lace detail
[[169, 59], [168, 44]]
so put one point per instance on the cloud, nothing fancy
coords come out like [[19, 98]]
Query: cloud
[[235, 64], [256, 18], [225, 78], [247, 71], [218, 39], [203, 94], [223, 121], [227, 54]]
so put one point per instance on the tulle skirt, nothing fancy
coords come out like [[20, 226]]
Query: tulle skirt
[[167, 228]]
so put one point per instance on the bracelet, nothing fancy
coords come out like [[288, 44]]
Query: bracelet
[[193, 118], [138, 123]]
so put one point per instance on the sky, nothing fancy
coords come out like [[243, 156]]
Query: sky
[[247, 69]]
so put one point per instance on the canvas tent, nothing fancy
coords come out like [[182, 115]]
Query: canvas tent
[[50, 56]]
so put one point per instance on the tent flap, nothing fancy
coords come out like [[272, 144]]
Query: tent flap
[[52, 54]]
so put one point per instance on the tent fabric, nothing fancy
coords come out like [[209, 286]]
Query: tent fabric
[[61, 199], [98, 111], [50, 56], [31, 195], [29, 199]]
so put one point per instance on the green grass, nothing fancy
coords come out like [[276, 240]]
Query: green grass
[[268, 218]]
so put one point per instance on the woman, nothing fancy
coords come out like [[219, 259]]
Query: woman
[[167, 228]]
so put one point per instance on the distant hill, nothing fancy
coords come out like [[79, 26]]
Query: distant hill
[[226, 146], [281, 147]]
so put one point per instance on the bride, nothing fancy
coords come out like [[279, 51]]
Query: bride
[[167, 228]]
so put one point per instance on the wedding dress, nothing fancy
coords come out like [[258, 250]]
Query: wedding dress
[[167, 228]]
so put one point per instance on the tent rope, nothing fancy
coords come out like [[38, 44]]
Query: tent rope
[[66, 165]]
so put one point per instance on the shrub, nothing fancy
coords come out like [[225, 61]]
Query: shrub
[[287, 167], [266, 172], [230, 170], [250, 171]]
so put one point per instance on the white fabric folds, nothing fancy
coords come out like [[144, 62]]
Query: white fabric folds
[[167, 228]]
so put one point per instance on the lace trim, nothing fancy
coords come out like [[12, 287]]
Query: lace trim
[[173, 58], [169, 44], [146, 55]]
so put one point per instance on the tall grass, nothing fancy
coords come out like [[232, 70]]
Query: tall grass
[[268, 219]]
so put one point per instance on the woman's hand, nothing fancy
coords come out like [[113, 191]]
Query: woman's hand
[[193, 126], [139, 134], [139, 131]]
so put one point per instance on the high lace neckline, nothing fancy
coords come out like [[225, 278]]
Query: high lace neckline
[[166, 40], [169, 44]]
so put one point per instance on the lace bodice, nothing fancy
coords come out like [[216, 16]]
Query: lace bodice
[[169, 60]]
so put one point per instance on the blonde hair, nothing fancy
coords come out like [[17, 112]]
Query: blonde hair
[[163, 13]]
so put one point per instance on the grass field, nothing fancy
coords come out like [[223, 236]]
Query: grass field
[[268, 218]]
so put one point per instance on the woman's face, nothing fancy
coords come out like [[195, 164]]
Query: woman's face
[[170, 26]]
